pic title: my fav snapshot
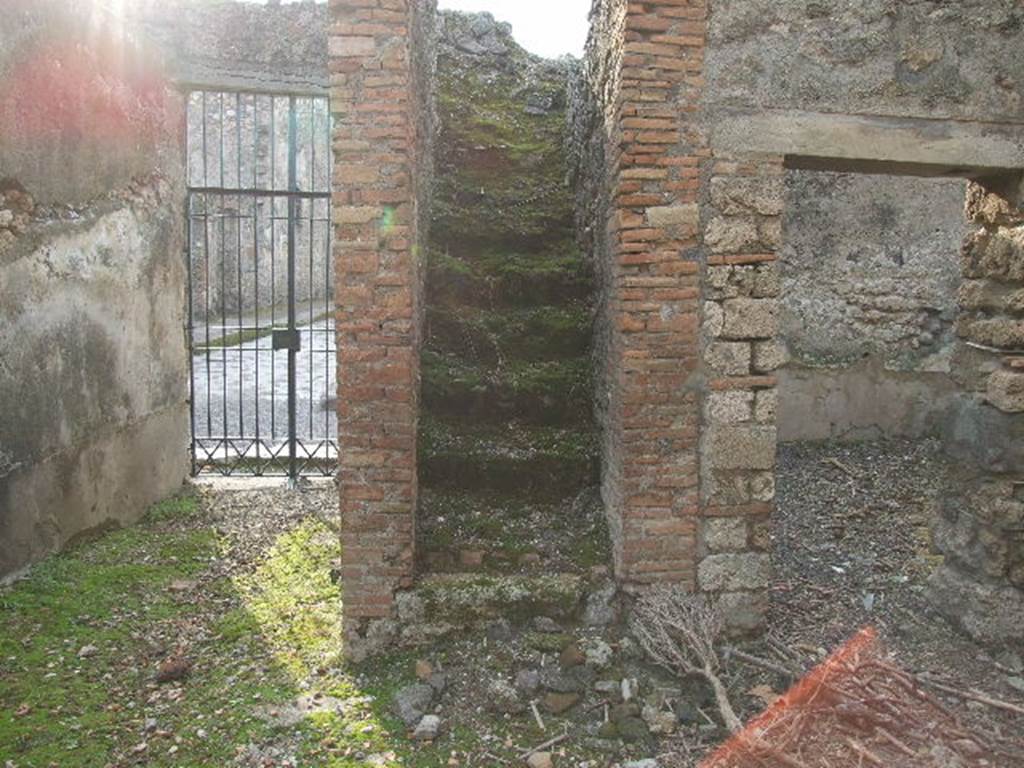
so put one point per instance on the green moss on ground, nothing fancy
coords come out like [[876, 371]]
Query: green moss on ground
[[508, 437], [516, 534], [501, 171], [81, 640], [489, 278], [470, 598]]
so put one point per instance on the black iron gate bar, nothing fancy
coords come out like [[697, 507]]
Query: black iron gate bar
[[209, 205]]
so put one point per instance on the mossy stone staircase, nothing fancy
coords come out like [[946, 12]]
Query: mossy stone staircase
[[508, 464]]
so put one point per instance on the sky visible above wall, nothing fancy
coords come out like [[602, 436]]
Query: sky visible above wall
[[548, 28], [545, 27]]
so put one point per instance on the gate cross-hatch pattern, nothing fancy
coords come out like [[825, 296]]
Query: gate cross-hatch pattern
[[261, 300]]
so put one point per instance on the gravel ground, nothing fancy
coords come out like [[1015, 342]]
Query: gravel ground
[[852, 549]]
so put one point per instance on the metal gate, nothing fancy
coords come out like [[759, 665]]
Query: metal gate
[[261, 300]]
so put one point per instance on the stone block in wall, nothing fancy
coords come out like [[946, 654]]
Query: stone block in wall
[[731, 407], [750, 318], [770, 230], [743, 447], [684, 219], [999, 332], [976, 547], [725, 534], [762, 486], [761, 539], [729, 488], [991, 296], [744, 195], [1000, 207], [759, 281], [1006, 391], [769, 356], [732, 235], [990, 613], [734, 572], [997, 254], [766, 406], [729, 358], [981, 435]]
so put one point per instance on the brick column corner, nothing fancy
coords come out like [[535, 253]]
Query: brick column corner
[[693, 288], [373, 104], [655, 156]]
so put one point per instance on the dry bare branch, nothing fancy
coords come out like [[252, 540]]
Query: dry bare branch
[[679, 632]]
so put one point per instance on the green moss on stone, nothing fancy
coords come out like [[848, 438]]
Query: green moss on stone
[[464, 599]]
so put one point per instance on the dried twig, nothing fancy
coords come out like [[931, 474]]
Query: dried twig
[[977, 696], [840, 465], [896, 743], [865, 753], [750, 658], [536, 716], [545, 745]]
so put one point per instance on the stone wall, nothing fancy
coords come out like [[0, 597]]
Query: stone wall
[[230, 45], [870, 273], [981, 584], [223, 47], [94, 418], [869, 277], [877, 57], [380, 99], [699, 111]]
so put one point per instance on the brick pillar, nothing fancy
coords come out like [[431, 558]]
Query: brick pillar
[[377, 290], [690, 444], [743, 210], [655, 156]]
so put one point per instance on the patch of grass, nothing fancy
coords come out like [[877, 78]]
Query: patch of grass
[[292, 598], [67, 687], [184, 506]]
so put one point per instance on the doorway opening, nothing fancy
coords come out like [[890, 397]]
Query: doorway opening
[[260, 291]]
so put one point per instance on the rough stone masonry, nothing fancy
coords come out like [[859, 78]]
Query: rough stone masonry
[[692, 116]]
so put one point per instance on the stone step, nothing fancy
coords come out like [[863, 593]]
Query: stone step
[[464, 532], [508, 279], [556, 392], [530, 333], [521, 210], [442, 603], [538, 462]]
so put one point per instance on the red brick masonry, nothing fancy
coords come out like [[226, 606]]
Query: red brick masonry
[[372, 100]]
